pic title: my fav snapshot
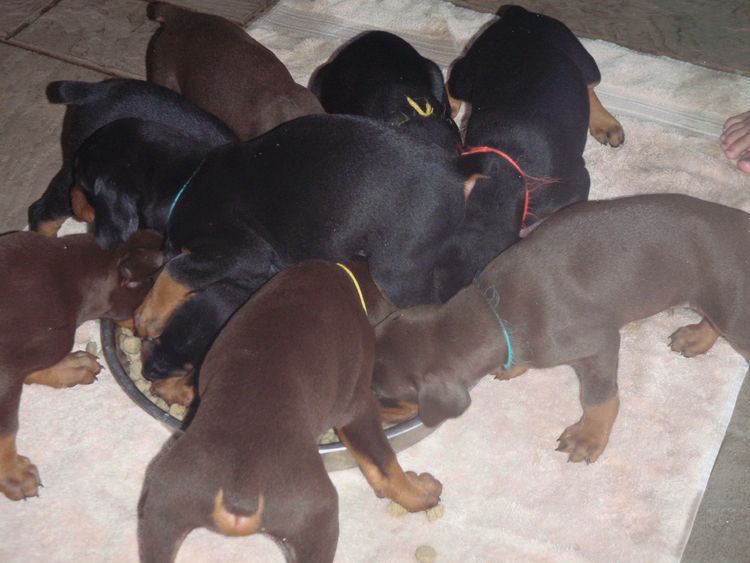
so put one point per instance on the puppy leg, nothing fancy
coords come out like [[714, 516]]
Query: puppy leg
[[161, 302], [77, 368], [693, 340], [19, 478], [597, 374], [366, 441], [602, 124]]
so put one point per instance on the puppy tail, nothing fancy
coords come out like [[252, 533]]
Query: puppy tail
[[161, 11], [70, 91], [233, 524]]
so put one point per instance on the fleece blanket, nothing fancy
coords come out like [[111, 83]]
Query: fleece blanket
[[508, 495]]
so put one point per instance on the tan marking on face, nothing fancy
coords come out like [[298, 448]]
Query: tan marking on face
[[50, 228], [413, 492], [586, 439], [231, 524], [178, 390], [455, 104], [160, 304], [82, 209], [602, 124]]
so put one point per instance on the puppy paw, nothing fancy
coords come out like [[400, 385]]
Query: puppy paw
[[77, 368], [424, 492], [607, 130], [175, 390], [19, 479], [584, 442], [693, 340]]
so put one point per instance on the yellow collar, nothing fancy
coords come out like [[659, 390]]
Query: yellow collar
[[426, 112], [356, 284]]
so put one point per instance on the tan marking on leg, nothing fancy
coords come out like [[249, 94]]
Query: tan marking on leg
[[49, 228], [231, 524], [77, 368], [402, 412], [602, 124], [160, 304], [693, 340], [514, 371], [413, 492], [471, 182], [82, 209], [19, 478], [455, 104], [587, 438], [176, 390]]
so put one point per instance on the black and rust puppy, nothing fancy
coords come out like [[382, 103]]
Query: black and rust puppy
[[530, 84], [382, 76], [561, 295], [295, 360], [91, 105], [57, 284], [216, 65], [335, 187], [127, 174]]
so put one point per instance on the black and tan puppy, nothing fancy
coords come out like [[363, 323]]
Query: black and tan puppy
[[216, 65], [91, 105], [530, 84], [295, 360], [57, 284], [334, 187], [382, 76], [561, 295], [127, 174]]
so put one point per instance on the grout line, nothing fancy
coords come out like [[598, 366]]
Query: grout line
[[26, 24], [115, 73]]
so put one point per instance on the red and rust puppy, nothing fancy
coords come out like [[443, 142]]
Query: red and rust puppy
[[530, 84], [561, 295], [216, 65], [382, 76], [295, 360], [57, 284], [91, 105]]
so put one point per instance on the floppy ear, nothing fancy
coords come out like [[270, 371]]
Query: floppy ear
[[142, 258], [439, 399]]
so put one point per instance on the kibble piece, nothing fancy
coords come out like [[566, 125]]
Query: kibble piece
[[131, 345], [396, 509], [425, 554], [177, 411], [435, 513], [91, 347]]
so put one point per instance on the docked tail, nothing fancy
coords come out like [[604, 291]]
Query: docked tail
[[71, 92], [162, 11]]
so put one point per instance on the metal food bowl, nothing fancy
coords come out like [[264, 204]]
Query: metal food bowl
[[335, 455]]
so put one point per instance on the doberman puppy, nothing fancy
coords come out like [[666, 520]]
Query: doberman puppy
[[126, 175], [57, 284], [560, 296], [295, 360], [91, 105], [526, 77], [334, 187], [216, 65], [382, 76]]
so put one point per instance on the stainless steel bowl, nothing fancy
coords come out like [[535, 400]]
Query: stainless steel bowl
[[335, 455]]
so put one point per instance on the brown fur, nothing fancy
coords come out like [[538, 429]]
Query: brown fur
[[57, 284], [216, 65], [295, 360]]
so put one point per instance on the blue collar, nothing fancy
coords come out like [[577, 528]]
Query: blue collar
[[493, 300], [182, 189]]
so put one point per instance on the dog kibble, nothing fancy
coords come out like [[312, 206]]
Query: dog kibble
[[177, 411], [131, 345], [91, 348], [425, 554], [396, 509], [435, 513]]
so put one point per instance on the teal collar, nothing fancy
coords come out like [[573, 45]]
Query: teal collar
[[182, 189], [493, 300]]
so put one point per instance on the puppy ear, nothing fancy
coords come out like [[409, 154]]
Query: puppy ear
[[142, 258], [439, 400]]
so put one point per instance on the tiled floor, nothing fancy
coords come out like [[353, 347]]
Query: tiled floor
[[44, 40]]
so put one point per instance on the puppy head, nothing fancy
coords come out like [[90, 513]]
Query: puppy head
[[409, 366], [138, 261]]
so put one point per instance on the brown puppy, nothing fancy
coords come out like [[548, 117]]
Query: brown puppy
[[561, 295], [220, 68], [51, 286], [295, 360]]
